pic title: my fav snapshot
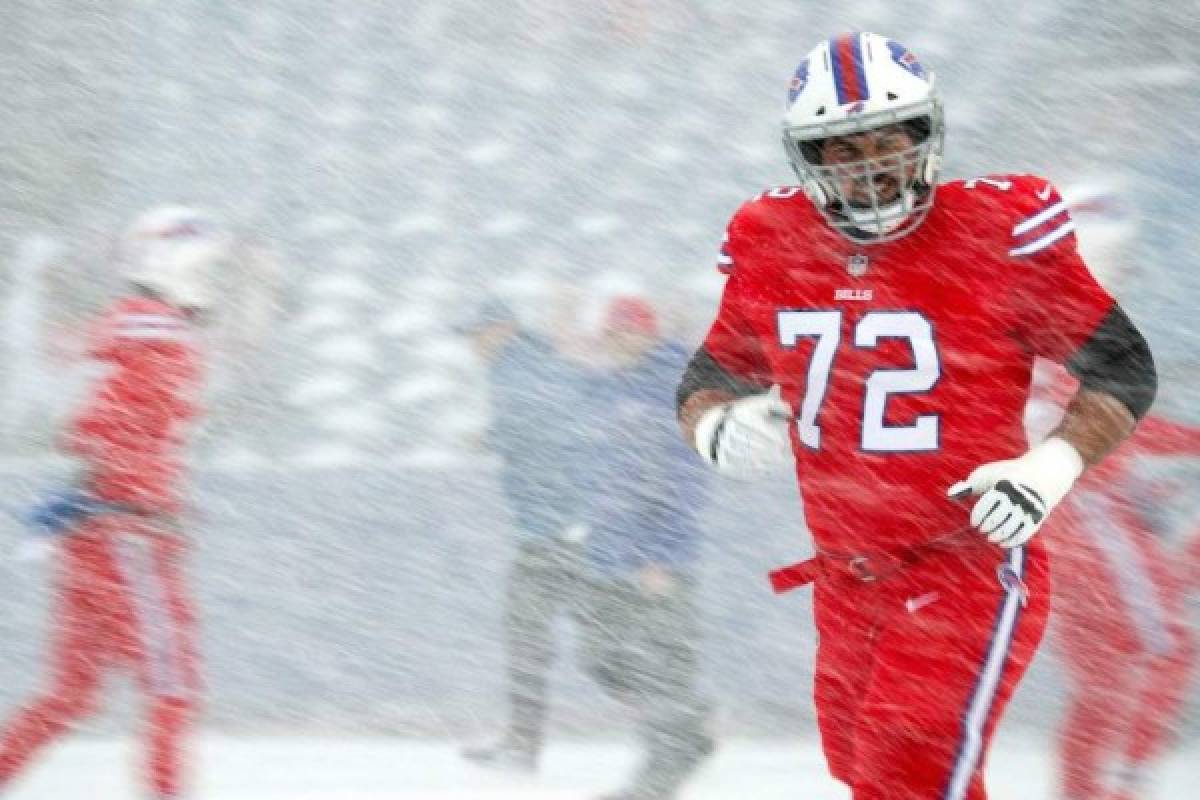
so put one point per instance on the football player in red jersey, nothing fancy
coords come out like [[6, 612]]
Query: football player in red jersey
[[121, 597], [1120, 621], [886, 342]]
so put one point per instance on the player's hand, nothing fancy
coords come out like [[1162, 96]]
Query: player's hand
[[747, 437], [1016, 496], [59, 511]]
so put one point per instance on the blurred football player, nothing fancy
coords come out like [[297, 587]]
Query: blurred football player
[[121, 600], [884, 340], [1120, 621]]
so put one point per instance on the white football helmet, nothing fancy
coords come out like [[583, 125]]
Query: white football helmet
[[174, 252], [851, 84]]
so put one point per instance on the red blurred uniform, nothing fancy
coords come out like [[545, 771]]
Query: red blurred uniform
[[1191, 561], [121, 600], [901, 360], [1120, 617]]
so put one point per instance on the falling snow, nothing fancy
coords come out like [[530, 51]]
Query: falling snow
[[389, 169]]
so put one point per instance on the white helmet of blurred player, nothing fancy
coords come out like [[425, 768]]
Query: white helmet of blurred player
[[174, 252], [852, 84], [1107, 228]]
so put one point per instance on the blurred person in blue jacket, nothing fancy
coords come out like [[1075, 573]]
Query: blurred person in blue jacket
[[638, 614], [534, 388]]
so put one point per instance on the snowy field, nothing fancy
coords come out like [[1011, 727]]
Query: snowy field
[[400, 769]]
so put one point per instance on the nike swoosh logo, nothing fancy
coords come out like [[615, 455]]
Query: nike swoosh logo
[[1044, 193], [915, 604]]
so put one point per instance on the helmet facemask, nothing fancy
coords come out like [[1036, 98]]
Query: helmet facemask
[[875, 199]]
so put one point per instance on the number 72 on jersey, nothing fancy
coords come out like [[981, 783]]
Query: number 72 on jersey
[[876, 436]]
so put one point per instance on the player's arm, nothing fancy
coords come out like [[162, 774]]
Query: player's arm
[[1118, 383], [706, 385], [1063, 314], [728, 409], [741, 433]]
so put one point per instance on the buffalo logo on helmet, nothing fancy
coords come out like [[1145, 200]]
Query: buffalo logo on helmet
[[907, 59], [799, 81]]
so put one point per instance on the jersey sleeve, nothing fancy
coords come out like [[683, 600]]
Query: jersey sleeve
[[731, 341], [1059, 302], [725, 263]]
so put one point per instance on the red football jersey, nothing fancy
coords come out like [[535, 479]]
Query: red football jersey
[[907, 363], [130, 429]]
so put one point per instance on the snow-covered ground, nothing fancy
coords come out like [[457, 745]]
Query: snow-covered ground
[[401, 769]]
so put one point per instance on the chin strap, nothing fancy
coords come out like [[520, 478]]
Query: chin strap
[[883, 221]]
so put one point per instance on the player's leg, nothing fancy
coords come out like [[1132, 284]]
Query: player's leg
[[1130, 652], [959, 633], [540, 582], [664, 661], [846, 612], [1094, 638], [1101, 679], [169, 721], [607, 614], [78, 653], [1158, 701], [610, 615], [159, 628]]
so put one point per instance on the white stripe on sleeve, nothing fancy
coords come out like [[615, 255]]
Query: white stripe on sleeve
[[1045, 241], [1039, 218]]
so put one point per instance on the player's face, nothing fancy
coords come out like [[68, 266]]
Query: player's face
[[872, 158], [626, 346], [490, 338]]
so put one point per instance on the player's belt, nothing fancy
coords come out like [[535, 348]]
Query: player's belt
[[166, 521], [865, 567]]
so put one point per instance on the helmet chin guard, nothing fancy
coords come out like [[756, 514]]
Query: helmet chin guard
[[853, 84]]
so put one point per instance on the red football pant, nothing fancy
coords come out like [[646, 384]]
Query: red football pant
[[120, 603], [1121, 628], [914, 670]]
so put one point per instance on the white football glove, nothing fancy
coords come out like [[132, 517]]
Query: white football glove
[[1018, 494], [747, 437]]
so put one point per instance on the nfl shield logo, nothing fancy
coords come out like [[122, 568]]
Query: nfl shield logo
[[857, 265]]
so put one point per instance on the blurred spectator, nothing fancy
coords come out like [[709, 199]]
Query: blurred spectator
[[536, 393], [641, 639]]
